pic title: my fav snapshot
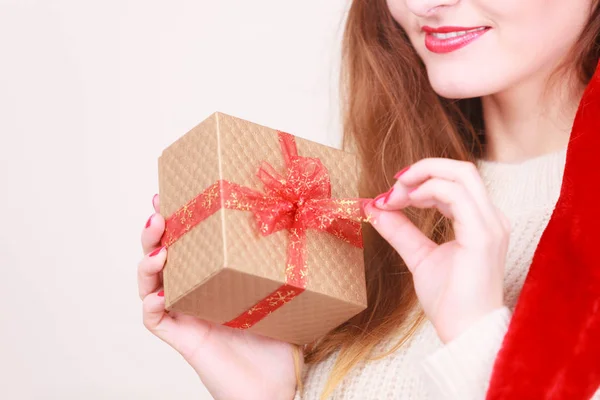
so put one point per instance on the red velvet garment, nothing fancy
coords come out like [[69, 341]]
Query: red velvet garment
[[552, 348]]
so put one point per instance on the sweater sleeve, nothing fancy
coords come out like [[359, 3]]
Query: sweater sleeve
[[463, 367]]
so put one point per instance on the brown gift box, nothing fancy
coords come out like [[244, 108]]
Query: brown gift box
[[223, 266]]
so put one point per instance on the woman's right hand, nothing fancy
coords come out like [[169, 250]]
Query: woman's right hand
[[232, 363]]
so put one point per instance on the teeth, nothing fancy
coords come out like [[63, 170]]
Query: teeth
[[455, 34]]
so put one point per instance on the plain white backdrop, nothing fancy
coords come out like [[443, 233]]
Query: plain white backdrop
[[90, 94]]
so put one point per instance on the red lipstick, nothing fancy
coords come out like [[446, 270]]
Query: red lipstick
[[445, 39]]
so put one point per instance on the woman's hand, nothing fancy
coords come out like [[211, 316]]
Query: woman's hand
[[232, 363], [460, 281]]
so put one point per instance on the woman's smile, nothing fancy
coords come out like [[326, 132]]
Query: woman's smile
[[449, 38]]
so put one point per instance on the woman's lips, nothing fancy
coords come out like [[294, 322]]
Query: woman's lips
[[449, 38]]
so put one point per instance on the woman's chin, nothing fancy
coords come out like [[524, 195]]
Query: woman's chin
[[459, 90], [461, 83]]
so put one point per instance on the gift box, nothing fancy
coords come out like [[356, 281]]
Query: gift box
[[263, 230]]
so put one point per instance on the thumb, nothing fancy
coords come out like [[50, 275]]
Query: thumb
[[156, 320], [408, 240], [184, 333]]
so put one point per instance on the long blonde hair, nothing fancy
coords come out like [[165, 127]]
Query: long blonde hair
[[392, 118]]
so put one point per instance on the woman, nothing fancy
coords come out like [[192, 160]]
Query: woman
[[454, 235]]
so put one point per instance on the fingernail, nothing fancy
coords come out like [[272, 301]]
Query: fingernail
[[149, 222], [399, 173], [161, 293], [154, 199], [377, 200], [156, 251], [387, 197], [383, 197], [412, 190]]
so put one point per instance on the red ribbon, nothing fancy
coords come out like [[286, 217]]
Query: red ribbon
[[299, 201]]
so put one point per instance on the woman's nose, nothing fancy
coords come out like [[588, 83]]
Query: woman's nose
[[424, 8]]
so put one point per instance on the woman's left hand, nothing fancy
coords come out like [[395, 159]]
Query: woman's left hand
[[459, 281]]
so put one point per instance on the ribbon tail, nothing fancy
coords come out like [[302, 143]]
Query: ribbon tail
[[340, 217], [348, 231]]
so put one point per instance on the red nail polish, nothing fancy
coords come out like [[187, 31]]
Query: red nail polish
[[156, 251], [161, 293], [399, 173], [149, 222], [375, 200], [387, 196]]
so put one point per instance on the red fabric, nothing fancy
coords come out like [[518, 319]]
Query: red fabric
[[552, 348], [297, 201]]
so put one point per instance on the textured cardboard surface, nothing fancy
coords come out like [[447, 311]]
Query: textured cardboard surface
[[223, 266]]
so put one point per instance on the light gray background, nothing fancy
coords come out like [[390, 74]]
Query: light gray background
[[90, 94]]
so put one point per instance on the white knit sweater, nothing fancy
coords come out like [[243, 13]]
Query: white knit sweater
[[424, 368]]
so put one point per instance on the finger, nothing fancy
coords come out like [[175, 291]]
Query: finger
[[462, 172], [153, 231], [184, 333], [156, 203], [468, 222], [155, 318], [408, 240], [433, 203], [149, 269]]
